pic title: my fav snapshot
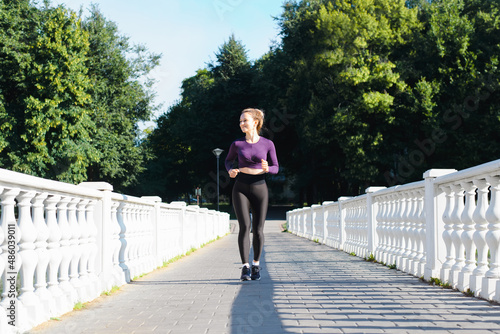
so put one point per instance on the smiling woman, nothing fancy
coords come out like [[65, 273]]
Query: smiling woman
[[250, 189]]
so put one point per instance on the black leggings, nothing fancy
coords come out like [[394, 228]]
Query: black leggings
[[250, 192]]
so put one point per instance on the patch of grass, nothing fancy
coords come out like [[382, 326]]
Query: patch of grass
[[78, 306], [435, 281], [55, 318], [137, 277], [392, 266], [438, 282], [352, 254], [446, 285], [469, 293], [284, 227], [316, 241], [370, 258], [113, 290]]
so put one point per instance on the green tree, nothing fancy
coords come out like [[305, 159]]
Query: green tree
[[453, 75], [48, 125], [121, 97], [343, 84]]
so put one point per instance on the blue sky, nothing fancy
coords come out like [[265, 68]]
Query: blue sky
[[188, 33]]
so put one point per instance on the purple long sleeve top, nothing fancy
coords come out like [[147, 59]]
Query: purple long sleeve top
[[250, 155]]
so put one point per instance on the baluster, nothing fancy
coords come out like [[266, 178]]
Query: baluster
[[27, 254], [42, 233], [94, 280], [406, 227], [395, 229], [137, 238], [85, 249], [356, 228], [352, 227], [421, 257], [335, 226], [67, 252], [116, 229], [399, 230], [358, 233], [359, 225], [492, 239], [124, 233], [300, 223], [54, 247], [326, 214], [74, 243], [467, 235], [413, 232], [391, 225], [9, 227], [479, 235], [456, 234], [364, 219], [332, 225], [133, 240], [448, 227], [348, 228], [147, 242], [140, 260], [313, 219], [385, 229], [379, 228]]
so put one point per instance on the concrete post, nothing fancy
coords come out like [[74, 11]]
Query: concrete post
[[434, 204]]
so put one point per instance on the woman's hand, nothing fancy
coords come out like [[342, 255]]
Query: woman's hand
[[265, 166], [233, 173]]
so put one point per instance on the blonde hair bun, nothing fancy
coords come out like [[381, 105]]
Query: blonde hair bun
[[256, 114]]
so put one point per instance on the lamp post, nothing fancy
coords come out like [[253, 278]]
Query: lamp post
[[217, 153]]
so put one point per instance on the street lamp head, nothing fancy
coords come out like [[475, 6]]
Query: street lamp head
[[217, 152]]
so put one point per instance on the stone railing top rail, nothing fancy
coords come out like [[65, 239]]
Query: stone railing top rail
[[12, 179], [478, 172]]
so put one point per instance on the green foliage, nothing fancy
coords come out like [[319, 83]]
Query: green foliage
[[46, 121], [469, 293], [119, 100], [70, 95], [370, 258], [435, 281]]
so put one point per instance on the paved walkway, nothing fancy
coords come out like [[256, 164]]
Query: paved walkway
[[305, 288]]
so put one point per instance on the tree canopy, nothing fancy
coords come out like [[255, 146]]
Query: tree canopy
[[71, 94]]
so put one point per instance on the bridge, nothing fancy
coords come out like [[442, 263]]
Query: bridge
[[401, 260]]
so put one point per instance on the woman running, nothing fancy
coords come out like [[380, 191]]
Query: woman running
[[256, 156]]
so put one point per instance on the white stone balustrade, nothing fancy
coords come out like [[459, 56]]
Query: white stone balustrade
[[61, 244], [446, 227]]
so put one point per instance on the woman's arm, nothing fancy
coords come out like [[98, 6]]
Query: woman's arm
[[273, 165], [232, 154]]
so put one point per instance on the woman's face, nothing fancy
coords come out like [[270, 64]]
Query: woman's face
[[247, 123]]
